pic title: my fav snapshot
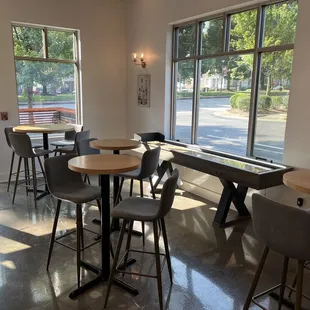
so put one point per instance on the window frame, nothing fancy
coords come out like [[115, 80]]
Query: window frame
[[76, 58], [257, 52]]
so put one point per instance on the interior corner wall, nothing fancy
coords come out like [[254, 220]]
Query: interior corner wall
[[103, 57], [149, 31]]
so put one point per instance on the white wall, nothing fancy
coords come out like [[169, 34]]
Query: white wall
[[102, 26], [148, 27]]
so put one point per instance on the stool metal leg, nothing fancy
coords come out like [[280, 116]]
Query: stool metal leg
[[158, 266], [128, 242], [283, 281], [164, 231], [53, 233], [256, 278], [26, 175], [293, 286], [131, 187], [142, 223], [152, 188], [78, 242], [82, 230], [17, 178], [300, 274], [11, 170], [117, 200], [112, 273], [34, 181]]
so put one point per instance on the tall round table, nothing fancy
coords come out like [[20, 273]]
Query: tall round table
[[45, 129], [104, 165], [115, 145]]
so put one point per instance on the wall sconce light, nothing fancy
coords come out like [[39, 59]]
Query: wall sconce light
[[140, 61]]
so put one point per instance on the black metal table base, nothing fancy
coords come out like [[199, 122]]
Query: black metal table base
[[82, 289]]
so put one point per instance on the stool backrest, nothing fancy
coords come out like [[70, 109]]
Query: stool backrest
[[282, 228], [7, 131], [82, 135], [58, 175], [149, 162], [83, 147], [21, 145], [70, 135], [168, 193]]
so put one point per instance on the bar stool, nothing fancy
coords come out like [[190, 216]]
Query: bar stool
[[148, 167], [69, 137], [22, 146], [286, 230], [146, 210], [67, 185], [82, 135], [7, 131]]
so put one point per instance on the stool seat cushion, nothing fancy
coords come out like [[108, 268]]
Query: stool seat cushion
[[63, 143], [37, 145], [66, 150], [135, 174], [41, 152], [78, 194], [137, 209]]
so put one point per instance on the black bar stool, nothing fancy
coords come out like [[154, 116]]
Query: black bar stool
[[22, 146], [145, 210], [286, 230], [148, 167], [67, 185]]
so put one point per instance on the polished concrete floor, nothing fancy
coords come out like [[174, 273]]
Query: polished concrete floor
[[212, 267]]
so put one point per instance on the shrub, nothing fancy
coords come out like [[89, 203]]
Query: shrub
[[264, 102], [243, 103], [235, 101], [277, 102]]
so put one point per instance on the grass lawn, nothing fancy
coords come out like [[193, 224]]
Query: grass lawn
[[61, 97], [226, 93]]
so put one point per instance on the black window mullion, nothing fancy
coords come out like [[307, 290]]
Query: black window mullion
[[195, 85], [255, 83]]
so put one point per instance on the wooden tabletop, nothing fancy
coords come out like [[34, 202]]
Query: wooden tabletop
[[115, 144], [298, 180], [43, 128], [104, 164]]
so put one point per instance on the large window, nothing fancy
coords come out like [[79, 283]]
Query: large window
[[231, 80], [47, 74]]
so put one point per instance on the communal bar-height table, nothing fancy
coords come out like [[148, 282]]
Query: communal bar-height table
[[104, 165], [236, 173], [45, 129], [115, 145]]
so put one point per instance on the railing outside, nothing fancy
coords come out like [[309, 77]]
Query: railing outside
[[55, 115]]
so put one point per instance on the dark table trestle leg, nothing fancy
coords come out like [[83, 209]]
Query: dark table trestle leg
[[231, 194]]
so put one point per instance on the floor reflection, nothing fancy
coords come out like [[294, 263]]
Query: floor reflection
[[213, 267]]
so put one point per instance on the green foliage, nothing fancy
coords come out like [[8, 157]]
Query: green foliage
[[279, 102], [264, 103], [240, 101], [243, 27], [58, 98], [28, 42]]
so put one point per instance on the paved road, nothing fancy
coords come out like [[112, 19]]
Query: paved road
[[223, 131]]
